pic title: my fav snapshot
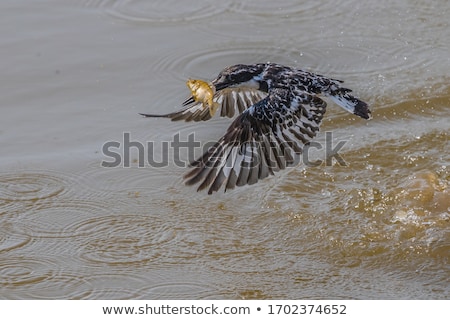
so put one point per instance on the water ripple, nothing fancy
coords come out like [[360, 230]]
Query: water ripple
[[177, 290], [29, 186], [129, 183], [12, 238], [213, 59], [368, 57], [61, 219], [10, 208], [297, 20], [114, 285], [64, 286], [286, 8], [248, 259], [125, 239], [162, 11], [18, 271], [232, 246]]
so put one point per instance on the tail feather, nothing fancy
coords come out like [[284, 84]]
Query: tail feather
[[353, 105]]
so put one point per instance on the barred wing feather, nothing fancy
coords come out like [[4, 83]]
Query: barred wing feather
[[262, 140], [232, 101]]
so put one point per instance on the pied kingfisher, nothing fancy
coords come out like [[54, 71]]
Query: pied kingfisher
[[279, 111]]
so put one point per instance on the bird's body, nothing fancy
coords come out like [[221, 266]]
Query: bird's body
[[279, 112]]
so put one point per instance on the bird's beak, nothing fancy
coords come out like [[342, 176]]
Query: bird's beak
[[221, 83]]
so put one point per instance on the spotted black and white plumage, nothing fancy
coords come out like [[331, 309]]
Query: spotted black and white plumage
[[279, 112]]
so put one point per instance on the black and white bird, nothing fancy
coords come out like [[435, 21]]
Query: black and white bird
[[279, 111]]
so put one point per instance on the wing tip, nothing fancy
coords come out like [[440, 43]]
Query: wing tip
[[362, 110]]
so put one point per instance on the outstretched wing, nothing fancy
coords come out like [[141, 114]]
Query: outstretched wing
[[262, 140], [231, 100]]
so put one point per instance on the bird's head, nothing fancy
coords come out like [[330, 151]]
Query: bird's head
[[238, 75]]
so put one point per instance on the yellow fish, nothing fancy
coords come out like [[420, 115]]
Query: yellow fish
[[203, 92]]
